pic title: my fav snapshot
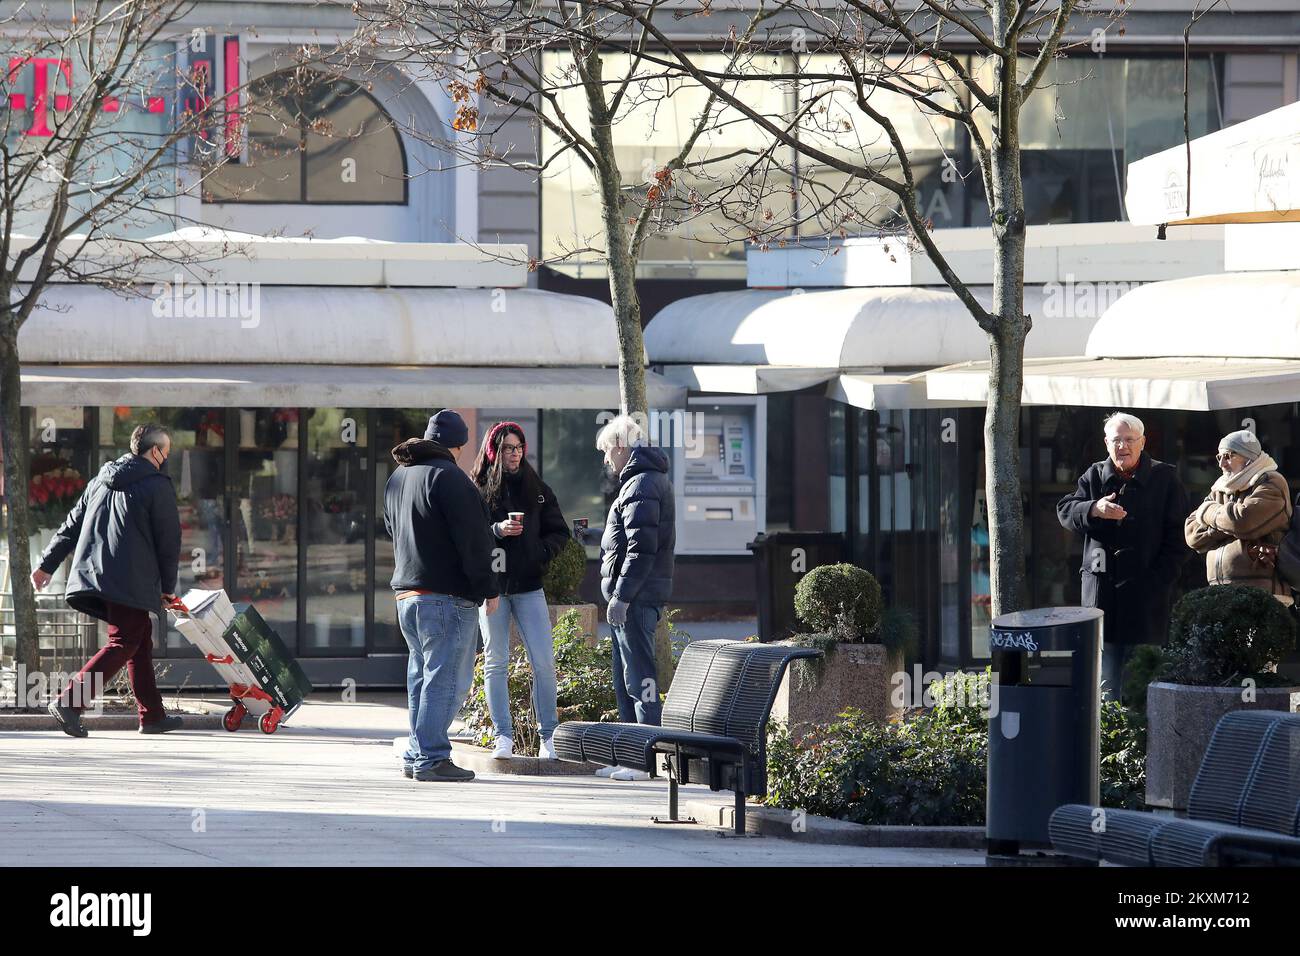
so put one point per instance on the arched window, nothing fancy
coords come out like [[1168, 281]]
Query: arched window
[[313, 140]]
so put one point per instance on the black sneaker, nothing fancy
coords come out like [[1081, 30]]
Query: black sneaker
[[444, 772], [162, 726], [408, 771], [69, 719]]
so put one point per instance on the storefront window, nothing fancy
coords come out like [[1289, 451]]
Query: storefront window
[[780, 462], [574, 469], [335, 527], [392, 427], [837, 466], [266, 516]]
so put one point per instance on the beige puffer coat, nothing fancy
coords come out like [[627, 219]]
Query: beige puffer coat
[[1225, 526]]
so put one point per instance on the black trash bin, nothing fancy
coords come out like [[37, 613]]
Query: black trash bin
[[780, 560], [1044, 737]]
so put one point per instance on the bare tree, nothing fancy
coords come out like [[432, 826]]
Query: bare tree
[[108, 127], [870, 77], [560, 65]]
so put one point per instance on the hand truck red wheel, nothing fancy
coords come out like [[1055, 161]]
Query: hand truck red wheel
[[234, 717]]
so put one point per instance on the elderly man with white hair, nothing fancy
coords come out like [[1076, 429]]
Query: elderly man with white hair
[[1130, 509], [636, 567]]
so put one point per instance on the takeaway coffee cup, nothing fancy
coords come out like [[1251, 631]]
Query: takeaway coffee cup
[[517, 516]]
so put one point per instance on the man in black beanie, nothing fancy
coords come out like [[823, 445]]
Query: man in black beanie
[[442, 551]]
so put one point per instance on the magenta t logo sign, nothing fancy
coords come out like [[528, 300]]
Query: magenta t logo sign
[[62, 101], [40, 90]]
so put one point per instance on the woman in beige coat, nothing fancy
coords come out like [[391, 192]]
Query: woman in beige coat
[[1244, 518]]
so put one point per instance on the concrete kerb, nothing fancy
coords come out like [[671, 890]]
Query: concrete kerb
[[810, 828], [480, 760], [764, 821], [107, 721]]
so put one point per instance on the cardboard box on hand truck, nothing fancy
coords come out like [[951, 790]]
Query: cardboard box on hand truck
[[264, 678]]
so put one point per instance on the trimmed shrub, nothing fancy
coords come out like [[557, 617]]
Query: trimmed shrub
[[1227, 633], [842, 600], [563, 575]]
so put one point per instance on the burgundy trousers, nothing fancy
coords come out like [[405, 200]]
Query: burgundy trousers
[[130, 644]]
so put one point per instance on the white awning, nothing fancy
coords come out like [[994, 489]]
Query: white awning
[[747, 379], [252, 325], [1234, 315], [1192, 384], [1245, 173], [878, 392], [844, 329], [361, 386]]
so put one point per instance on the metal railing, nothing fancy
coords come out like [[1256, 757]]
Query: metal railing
[[67, 638]]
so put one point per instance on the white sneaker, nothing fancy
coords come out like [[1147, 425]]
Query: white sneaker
[[607, 771], [504, 748], [546, 749], [626, 773]]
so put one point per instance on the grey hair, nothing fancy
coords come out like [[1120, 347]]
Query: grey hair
[[1123, 418], [622, 431], [147, 436]]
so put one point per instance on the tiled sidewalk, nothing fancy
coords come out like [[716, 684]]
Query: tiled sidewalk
[[326, 790]]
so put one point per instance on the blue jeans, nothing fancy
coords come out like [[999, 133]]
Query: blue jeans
[[440, 635], [636, 684], [529, 611]]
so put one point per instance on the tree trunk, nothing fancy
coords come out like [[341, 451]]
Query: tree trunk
[[1006, 348], [14, 443], [618, 249]]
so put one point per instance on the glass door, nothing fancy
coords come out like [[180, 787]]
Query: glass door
[[264, 520], [334, 506], [197, 468]]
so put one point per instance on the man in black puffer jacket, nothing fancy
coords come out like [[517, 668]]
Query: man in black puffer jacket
[[127, 536], [636, 563]]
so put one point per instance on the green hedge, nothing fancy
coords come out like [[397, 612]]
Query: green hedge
[[928, 769]]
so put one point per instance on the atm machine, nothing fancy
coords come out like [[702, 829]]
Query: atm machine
[[719, 474]]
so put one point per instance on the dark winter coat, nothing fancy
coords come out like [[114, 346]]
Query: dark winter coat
[[636, 550], [126, 533], [1130, 566], [439, 525], [544, 536]]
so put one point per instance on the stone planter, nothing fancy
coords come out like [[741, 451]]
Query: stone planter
[[1180, 721], [852, 675]]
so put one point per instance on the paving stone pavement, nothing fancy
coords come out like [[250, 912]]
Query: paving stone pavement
[[327, 790]]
